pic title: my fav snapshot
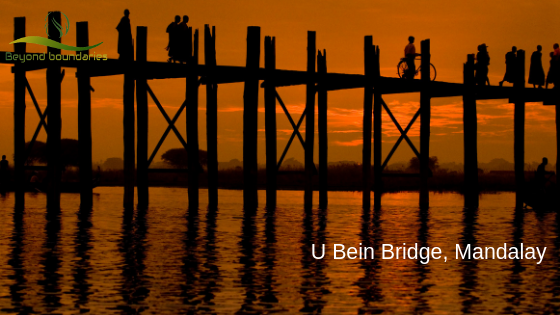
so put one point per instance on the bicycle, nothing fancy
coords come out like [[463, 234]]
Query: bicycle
[[402, 69]]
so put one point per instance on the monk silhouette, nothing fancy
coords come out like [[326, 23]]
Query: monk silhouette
[[125, 48], [185, 49], [550, 77], [509, 76], [482, 63], [536, 71], [174, 40]]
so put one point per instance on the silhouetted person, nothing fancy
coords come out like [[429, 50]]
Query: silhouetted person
[[540, 174], [125, 49], [172, 45], [185, 46], [550, 77], [410, 54], [536, 71], [482, 63], [510, 66], [4, 172], [556, 51], [34, 181]]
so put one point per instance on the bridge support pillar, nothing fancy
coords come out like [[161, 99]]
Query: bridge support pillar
[[19, 116], [322, 105], [192, 85], [470, 136], [54, 123], [211, 116], [310, 121], [84, 122], [377, 132], [367, 120], [425, 113], [250, 118], [519, 129], [142, 120], [270, 122]]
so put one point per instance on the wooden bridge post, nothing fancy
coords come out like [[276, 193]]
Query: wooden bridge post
[[211, 116], [425, 113], [322, 106], [142, 117], [270, 121], [54, 80], [84, 121], [310, 120], [367, 120], [470, 135], [19, 116], [128, 131], [250, 118], [377, 131], [519, 129], [192, 122]]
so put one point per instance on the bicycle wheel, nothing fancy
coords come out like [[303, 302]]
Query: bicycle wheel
[[402, 68], [432, 72]]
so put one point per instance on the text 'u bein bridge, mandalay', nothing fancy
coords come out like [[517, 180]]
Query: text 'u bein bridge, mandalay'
[[318, 82]]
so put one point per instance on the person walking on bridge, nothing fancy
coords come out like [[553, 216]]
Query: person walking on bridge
[[536, 71], [511, 57], [482, 63], [125, 49], [172, 45]]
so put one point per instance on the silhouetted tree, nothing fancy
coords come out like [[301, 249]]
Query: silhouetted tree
[[414, 164], [69, 152], [178, 157]]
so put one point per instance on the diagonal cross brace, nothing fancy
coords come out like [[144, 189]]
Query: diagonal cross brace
[[296, 130], [42, 123], [403, 134], [170, 127]]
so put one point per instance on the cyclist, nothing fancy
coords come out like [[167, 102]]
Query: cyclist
[[410, 54]]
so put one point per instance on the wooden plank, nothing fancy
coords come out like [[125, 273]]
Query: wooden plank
[[142, 183], [310, 122], [54, 167], [367, 122], [270, 122], [250, 118], [470, 135], [192, 124], [425, 113], [211, 116], [84, 123], [519, 129], [19, 116], [322, 108]]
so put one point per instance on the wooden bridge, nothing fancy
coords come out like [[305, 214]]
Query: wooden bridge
[[318, 82]]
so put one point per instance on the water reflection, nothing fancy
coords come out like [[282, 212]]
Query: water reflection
[[423, 270], [370, 290], [16, 262], [82, 246], [170, 260], [134, 287], [51, 260], [469, 267], [514, 295], [314, 279]]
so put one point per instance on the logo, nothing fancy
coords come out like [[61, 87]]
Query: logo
[[59, 31]]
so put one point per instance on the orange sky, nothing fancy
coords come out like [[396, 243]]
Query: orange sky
[[455, 30]]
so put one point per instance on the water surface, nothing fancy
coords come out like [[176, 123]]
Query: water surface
[[168, 260]]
